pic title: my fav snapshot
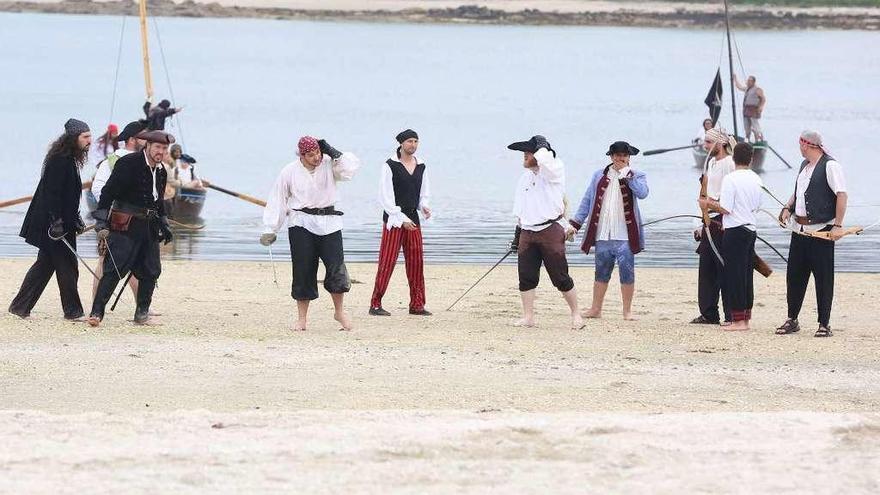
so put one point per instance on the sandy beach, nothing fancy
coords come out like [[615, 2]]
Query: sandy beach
[[544, 12], [220, 397]]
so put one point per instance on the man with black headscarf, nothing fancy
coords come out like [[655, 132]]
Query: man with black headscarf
[[131, 216], [403, 193], [53, 218]]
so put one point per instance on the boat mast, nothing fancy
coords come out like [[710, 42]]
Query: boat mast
[[145, 49], [730, 66]]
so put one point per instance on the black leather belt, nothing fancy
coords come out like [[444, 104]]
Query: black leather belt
[[327, 211], [135, 211]]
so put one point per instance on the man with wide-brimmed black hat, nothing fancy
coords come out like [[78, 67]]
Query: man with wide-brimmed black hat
[[52, 220], [131, 216], [539, 206], [133, 144], [611, 207]]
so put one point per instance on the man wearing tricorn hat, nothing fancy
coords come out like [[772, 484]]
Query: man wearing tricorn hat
[[818, 204], [304, 198], [52, 223], [539, 206], [131, 217], [403, 193], [133, 144], [719, 147], [611, 207]]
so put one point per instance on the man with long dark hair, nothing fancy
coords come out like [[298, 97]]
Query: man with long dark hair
[[53, 215], [131, 216]]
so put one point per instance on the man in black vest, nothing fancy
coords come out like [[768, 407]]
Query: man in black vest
[[52, 218], [818, 204], [403, 192], [131, 216]]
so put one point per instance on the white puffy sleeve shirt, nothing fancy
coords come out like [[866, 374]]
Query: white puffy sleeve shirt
[[540, 194], [297, 188]]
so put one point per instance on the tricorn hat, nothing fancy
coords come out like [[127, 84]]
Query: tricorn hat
[[161, 137], [531, 145], [187, 158], [132, 129], [622, 147]]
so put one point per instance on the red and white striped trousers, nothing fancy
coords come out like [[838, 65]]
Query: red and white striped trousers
[[389, 250]]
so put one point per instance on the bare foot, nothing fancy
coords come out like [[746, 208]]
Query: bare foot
[[344, 320], [525, 323], [629, 317], [591, 313], [94, 321], [299, 326], [738, 326], [577, 323]]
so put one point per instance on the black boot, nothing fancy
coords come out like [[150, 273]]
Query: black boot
[[144, 299]]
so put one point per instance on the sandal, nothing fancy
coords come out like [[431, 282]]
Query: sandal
[[823, 331], [790, 326]]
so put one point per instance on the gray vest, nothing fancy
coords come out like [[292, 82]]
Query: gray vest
[[819, 200], [751, 97]]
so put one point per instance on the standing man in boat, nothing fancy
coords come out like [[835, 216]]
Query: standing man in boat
[[753, 107], [52, 220], [304, 198], [741, 192], [157, 114], [719, 147], [541, 232], [611, 208], [817, 205], [131, 217], [403, 192], [133, 144]]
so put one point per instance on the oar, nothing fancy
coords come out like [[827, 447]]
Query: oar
[[249, 199], [664, 150], [777, 155], [17, 201], [184, 226]]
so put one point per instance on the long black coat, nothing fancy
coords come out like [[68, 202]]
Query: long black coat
[[57, 196], [132, 182]]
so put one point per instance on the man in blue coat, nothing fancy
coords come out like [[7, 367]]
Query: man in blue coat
[[611, 208]]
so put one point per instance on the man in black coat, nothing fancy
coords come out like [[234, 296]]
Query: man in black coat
[[53, 215], [156, 115], [131, 217]]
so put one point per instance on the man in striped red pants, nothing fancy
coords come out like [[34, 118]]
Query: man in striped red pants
[[403, 192]]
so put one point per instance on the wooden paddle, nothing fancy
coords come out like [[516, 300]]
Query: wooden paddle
[[249, 199], [17, 201], [664, 150]]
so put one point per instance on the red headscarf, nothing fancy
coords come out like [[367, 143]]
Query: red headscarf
[[307, 144]]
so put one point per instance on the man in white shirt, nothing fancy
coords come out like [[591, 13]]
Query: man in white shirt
[[818, 204], [403, 192], [719, 147], [539, 206], [611, 209], [740, 197], [304, 198]]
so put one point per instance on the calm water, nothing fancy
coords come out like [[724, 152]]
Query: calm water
[[251, 87]]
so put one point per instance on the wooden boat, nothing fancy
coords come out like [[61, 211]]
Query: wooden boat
[[188, 204]]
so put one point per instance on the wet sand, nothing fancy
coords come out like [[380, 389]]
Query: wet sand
[[221, 396]]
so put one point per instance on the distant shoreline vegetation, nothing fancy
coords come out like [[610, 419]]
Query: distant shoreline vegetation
[[757, 14]]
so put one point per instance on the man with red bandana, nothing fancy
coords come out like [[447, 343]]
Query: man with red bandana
[[304, 198]]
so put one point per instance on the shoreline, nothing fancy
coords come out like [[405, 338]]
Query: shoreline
[[493, 12]]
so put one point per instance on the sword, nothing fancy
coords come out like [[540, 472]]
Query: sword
[[509, 252], [80, 258], [115, 266], [272, 261]]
